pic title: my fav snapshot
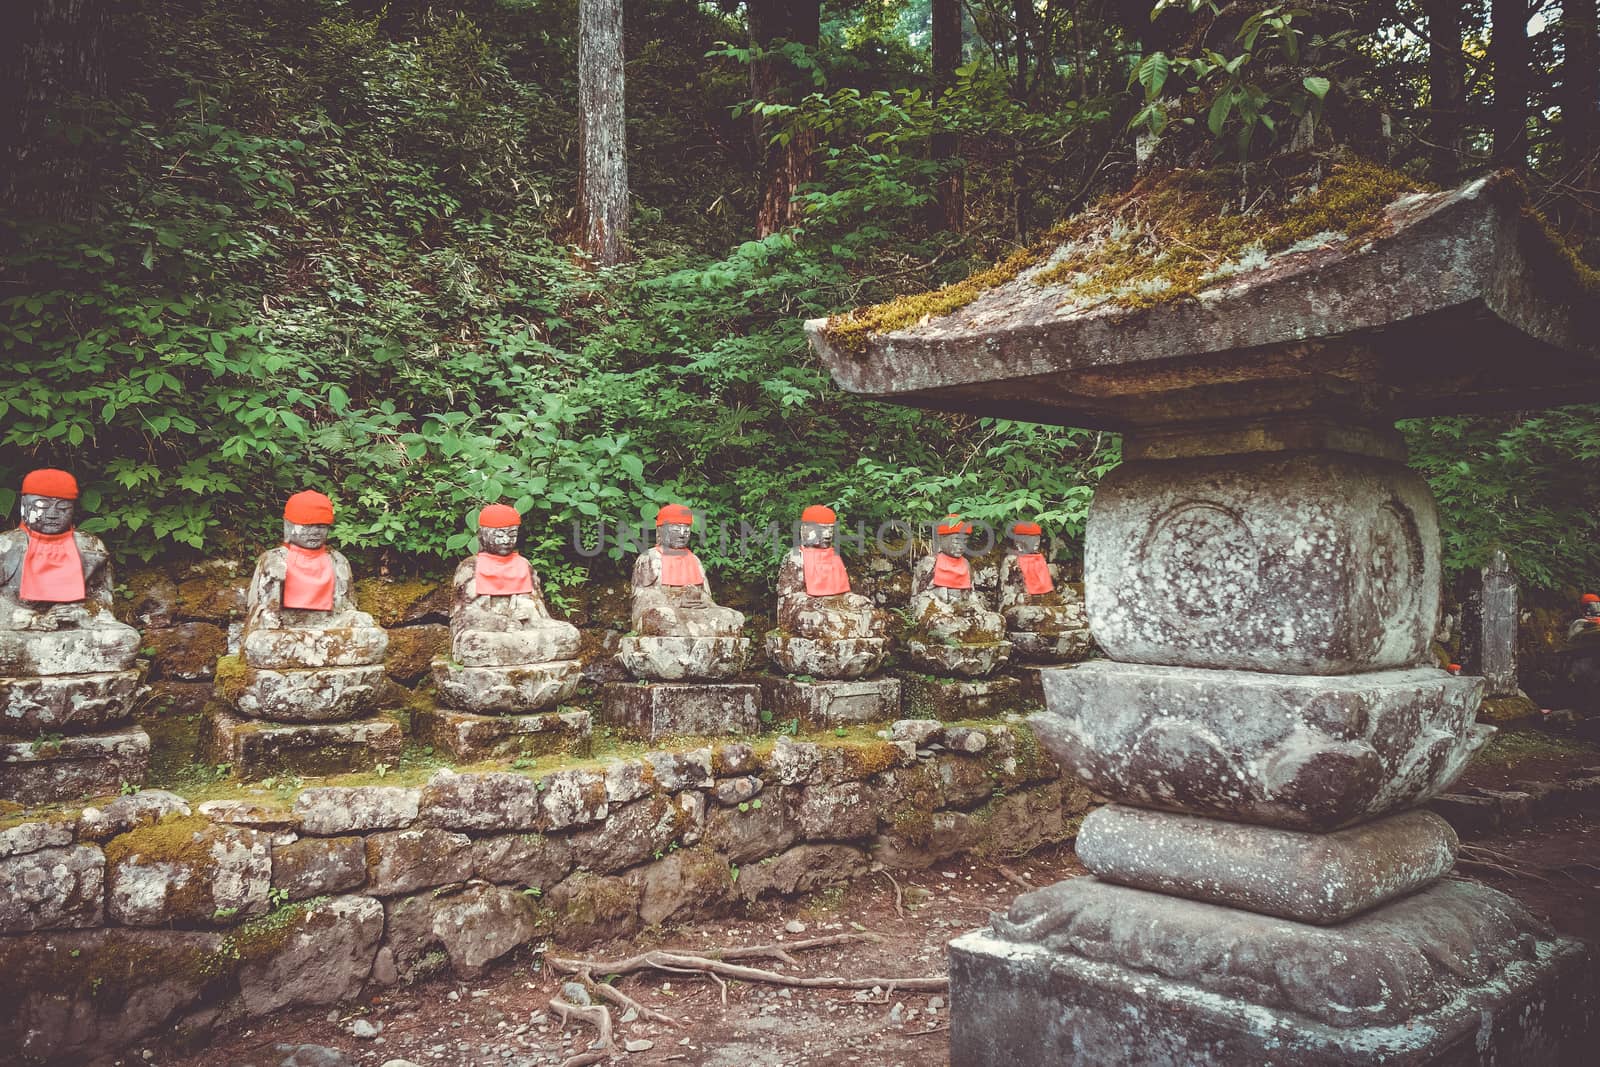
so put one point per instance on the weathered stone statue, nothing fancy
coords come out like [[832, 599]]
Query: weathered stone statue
[[1582, 655], [1588, 620], [824, 629], [679, 631], [67, 666], [1044, 622], [954, 630], [308, 654], [507, 655]]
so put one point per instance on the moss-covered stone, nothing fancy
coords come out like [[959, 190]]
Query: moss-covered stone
[[188, 870], [402, 601]]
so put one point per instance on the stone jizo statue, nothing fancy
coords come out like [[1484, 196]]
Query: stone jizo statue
[[1588, 620], [507, 655], [824, 629], [1044, 621], [954, 629], [679, 632]]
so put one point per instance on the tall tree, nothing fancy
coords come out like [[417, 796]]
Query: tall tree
[[791, 163], [1580, 96], [1509, 52], [602, 132], [52, 70], [1021, 191], [1447, 90], [950, 206]]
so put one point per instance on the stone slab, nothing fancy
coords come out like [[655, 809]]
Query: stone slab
[[82, 765], [312, 695], [294, 647], [66, 703], [827, 704], [1068, 647], [468, 737], [680, 659], [1294, 563], [82, 650], [514, 690], [669, 709], [1089, 972], [1302, 752], [1311, 878], [837, 657], [950, 699], [957, 661], [553, 642], [258, 749]]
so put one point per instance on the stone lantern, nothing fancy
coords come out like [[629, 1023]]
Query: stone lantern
[[1263, 572]]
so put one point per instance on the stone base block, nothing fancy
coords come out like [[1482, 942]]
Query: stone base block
[[1069, 647], [669, 709], [950, 699], [1088, 972], [827, 704], [467, 737], [261, 749], [684, 659], [66, 703], [312, 695], [1312, 878], [842, 657], [1031, 675], [553, 642], [293, 648], [523, 688], [1299, 751], [961, 661], [43, 772], [81, 650]]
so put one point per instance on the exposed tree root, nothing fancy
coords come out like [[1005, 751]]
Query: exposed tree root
[[597, 1016]]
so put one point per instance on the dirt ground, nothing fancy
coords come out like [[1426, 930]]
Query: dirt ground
[[504, 1019]]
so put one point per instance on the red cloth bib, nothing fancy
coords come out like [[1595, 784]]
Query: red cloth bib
[[1035, 573], [825, 573], [502, 575], [951, 572], [52, 570], [680, 567], [308, 578]]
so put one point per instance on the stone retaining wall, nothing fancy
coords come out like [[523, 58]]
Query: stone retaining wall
[[152, 912]]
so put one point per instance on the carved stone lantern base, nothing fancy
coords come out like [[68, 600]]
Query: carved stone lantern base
[[511, 690], [86, 765], [827, 704], [303, 695], [257, 749], [670, 709], [468, 737], [950, 699]]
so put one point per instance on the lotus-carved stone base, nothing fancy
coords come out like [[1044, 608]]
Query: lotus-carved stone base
[[516, 690], [957, 661], [293, 648], [318, 694], [677, 659], [1299, 751], [673, 709], [1086, 971], [827, 704], [80, 650], [469, 737], [66, 703], [1067, 647], [35, 772], [261, 749], [842, 657]]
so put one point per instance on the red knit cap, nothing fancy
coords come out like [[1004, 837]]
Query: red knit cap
[[1027, 529], [818, 513], [309, 508], [47, 481], [498, 516], [952, 524], [675, 513], [1591, 598]]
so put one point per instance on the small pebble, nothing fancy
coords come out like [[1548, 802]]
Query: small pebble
[[794, 926], [639, 1044]]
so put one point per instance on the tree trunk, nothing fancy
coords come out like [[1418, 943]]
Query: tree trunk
[[1447, 90], [602, 132], [1508, 51], [1580, 85], [1021, 193], [787, 166], [52, 69], [950, 207]]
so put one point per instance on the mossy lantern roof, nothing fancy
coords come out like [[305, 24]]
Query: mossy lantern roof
[[1429, 303]]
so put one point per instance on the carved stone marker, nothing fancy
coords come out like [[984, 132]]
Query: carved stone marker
[[508, 658], [1490, 632], [1263, 571], [683, 643], [68, 674], [833, 637], [310, 665]]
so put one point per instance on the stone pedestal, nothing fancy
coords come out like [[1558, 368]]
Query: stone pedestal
[[467, 737], [669, 709], [259, 749], [673, 659], [826, 704], [952, 699], [840, 657], [49, 769], [1067, 647], [957, 661], [512, 690]]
